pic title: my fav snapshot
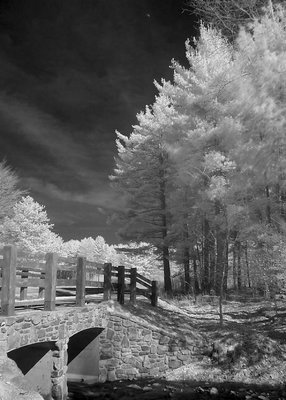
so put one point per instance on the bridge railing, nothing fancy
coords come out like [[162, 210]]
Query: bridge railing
[[45, 280]]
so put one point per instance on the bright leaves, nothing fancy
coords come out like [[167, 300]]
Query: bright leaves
[[203, 171]]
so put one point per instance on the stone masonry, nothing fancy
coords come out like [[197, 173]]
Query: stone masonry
[[129, 347], [57, 326], [132, 349]]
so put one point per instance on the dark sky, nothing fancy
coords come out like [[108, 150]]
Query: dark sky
[[71, 72]]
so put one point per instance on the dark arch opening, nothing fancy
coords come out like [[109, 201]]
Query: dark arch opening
[[27, 356], [83, 356], [80, 340]]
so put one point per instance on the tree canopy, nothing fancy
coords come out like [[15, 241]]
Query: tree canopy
[[202, 173]]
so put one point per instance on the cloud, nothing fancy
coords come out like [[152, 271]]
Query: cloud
[[43, 130], [101, 196]]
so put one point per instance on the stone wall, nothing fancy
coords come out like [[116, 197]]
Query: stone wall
[[131, 349], [53, 326]]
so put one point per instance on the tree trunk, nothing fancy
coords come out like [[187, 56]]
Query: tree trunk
[[239, 277], [234, 273], [268, 208], [165, 247], [187, 269], [220, 260], [196, 281], [247, 266], [225, 277], [167, 271], [212, 264], [206, 255]]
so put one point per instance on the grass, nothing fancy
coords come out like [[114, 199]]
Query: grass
[[249, 348]]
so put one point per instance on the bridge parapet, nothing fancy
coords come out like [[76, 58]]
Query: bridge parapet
[[47, 280]]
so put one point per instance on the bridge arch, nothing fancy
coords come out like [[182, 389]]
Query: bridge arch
[[36, 363], [83, 355]]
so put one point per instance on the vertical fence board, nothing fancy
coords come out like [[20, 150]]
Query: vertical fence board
[[107, 286], [50, 281], [133, 273], [154, 294], [121, 284], [41, 288], [8, 281], [24, 289], [80, 281]]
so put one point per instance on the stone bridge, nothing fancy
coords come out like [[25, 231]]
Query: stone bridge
[[93, 343]]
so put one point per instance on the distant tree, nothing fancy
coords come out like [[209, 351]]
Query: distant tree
[[29, 228], [230, 15], [142, 256], [70, 248], [9, 190], [96, 250]]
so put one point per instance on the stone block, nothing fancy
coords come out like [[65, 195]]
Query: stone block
[[109, 334], [143, 353], [162, 349], [132, 333], [132, 361], [183, 357], [163, 368], [56, 373], [106, 354], [146, 332], [111, 364], [175, 364], [117, 327], [156, 335], [125, 342], [164, 339], [24, 340], [154, 371], [111, 376], [115, 318], [110, 325], [153, 349], [126, 371], [14, 340], [145, 348]]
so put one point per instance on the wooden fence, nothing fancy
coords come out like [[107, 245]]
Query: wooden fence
[[47, 280]]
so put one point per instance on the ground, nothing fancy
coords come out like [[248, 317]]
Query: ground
[[243, 359]]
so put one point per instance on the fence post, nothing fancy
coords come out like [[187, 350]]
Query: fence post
[[133, 273], [80, 281], [24, 289], [8, 281], [154, 293], [121, 284], [41, 288], [50, 281], [107, 281]]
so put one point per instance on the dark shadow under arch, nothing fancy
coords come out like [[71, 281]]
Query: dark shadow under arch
[[80, 340], [27, 356]]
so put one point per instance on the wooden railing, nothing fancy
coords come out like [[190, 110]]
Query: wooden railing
[[46, 280]]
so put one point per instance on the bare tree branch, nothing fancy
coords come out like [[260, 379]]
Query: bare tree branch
[[229, 15]]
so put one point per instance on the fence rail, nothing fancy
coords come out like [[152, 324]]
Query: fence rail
[[47, 280]]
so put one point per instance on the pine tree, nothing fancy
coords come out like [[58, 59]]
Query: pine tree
[[143, 177]]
